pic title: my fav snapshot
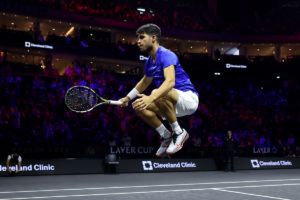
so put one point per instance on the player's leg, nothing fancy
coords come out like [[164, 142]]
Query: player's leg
[[150, 116], [166, 105], [177, 103]]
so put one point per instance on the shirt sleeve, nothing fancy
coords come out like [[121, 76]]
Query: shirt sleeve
[[168, 58]]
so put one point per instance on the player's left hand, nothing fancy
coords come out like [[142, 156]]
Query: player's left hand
[[142, 102]]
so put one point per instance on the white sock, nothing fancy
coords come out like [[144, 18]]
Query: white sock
[[163, 131], [176, 128]]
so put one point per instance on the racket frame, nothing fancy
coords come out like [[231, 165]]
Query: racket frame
[[103, 100]]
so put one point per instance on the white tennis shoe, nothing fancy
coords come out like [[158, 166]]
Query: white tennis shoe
[[163, 146], [177, 142]]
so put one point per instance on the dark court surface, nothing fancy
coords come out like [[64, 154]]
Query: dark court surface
[[212, 185]]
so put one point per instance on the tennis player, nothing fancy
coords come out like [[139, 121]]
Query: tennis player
[[174, 96]]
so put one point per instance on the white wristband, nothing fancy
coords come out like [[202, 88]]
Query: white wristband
[[133, 93]]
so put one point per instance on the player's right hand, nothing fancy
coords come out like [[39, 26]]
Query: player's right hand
[[125, 101]]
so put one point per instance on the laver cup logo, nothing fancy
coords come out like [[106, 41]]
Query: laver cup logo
[[147, 165]]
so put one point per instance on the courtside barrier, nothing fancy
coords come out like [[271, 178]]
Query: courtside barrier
[[98, 166]]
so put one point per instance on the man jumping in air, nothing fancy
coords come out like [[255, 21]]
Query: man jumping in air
[[174, 96]]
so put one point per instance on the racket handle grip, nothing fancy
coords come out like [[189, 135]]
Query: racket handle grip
[[117, 103]]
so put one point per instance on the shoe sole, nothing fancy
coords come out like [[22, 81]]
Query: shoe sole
[[181, 145], [161, 155], [164, 153]]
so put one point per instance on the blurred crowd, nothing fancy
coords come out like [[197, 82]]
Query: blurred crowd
[[165, 13], [249, 16], [34, 118]]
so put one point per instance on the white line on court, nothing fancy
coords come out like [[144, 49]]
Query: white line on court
[[250, 194], [146, 186], [147, 192]]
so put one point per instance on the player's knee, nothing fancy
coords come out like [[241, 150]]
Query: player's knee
[[141, 113], [160, 103], [163, 104]]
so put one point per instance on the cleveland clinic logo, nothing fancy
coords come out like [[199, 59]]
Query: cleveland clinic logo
[[33, 45], [27, 44], [255, 164], [147, 165], [272, 163], [150, 165]]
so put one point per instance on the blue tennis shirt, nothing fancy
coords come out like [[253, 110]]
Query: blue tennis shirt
[[164, 59]]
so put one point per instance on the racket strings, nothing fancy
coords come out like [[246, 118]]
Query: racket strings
[[80, 99]]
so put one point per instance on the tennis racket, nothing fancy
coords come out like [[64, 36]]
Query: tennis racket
[[82, 99]]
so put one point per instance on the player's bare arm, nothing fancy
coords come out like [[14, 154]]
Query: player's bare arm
[[141, 86], [144, 101]]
